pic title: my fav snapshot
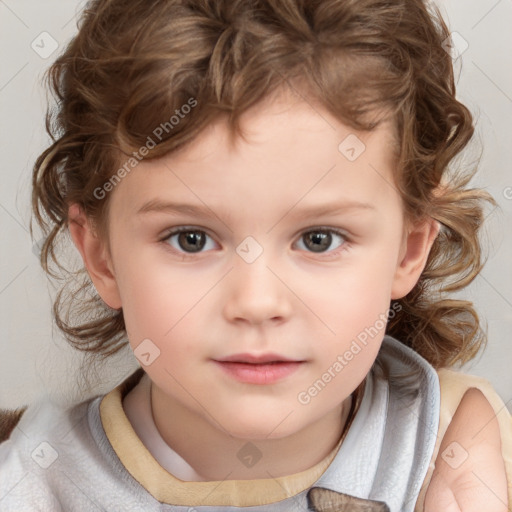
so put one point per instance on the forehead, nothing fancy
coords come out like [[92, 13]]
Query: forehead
[[292, 151], [290, 119]]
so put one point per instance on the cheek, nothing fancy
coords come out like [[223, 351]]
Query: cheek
[[359, 294], [355, 309], [162, 303], [151, 300], [357, 314]]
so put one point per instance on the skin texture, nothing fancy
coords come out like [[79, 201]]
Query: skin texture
[[479, 483], [291, 300]]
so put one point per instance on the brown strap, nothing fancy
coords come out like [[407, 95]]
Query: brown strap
[[326, 500]]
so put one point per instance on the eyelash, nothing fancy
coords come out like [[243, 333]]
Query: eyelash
[[319, 229]]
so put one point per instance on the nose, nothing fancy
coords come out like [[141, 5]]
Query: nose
[[256, 294]]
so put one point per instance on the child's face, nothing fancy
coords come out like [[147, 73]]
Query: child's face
[[256, 284]]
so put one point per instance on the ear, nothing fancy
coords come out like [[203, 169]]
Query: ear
[[413, 256], [95, 256]]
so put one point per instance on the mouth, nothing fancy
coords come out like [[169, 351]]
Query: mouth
[[258, 369], [257, 359]]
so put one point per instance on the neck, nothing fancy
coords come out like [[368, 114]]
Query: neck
[[217, 455]]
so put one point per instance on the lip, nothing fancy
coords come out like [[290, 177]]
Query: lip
[[261, 369], [268, 357]]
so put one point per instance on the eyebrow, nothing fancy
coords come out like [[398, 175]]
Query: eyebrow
[[157, 205]]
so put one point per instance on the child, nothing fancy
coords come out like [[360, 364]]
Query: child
[[260, 194]]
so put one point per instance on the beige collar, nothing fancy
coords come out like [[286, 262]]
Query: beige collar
[[166, 488]]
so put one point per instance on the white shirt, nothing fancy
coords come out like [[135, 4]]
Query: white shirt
[[137, 406]]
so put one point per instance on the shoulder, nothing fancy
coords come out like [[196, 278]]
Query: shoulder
[[473, 457], [20, 487], [39, 436], [472, 440], [470, 404]]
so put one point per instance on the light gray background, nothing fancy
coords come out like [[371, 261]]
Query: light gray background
[[34, 359]]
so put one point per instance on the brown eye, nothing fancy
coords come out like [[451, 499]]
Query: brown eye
[[187, 240], [317, 241], [321, 240], [191, 241]]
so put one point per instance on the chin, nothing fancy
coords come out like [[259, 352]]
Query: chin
[[258, 429], [252, 434]]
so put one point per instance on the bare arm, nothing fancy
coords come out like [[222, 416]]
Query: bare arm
[[469, 473]]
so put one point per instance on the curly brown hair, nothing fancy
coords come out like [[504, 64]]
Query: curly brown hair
[[135, 63]]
